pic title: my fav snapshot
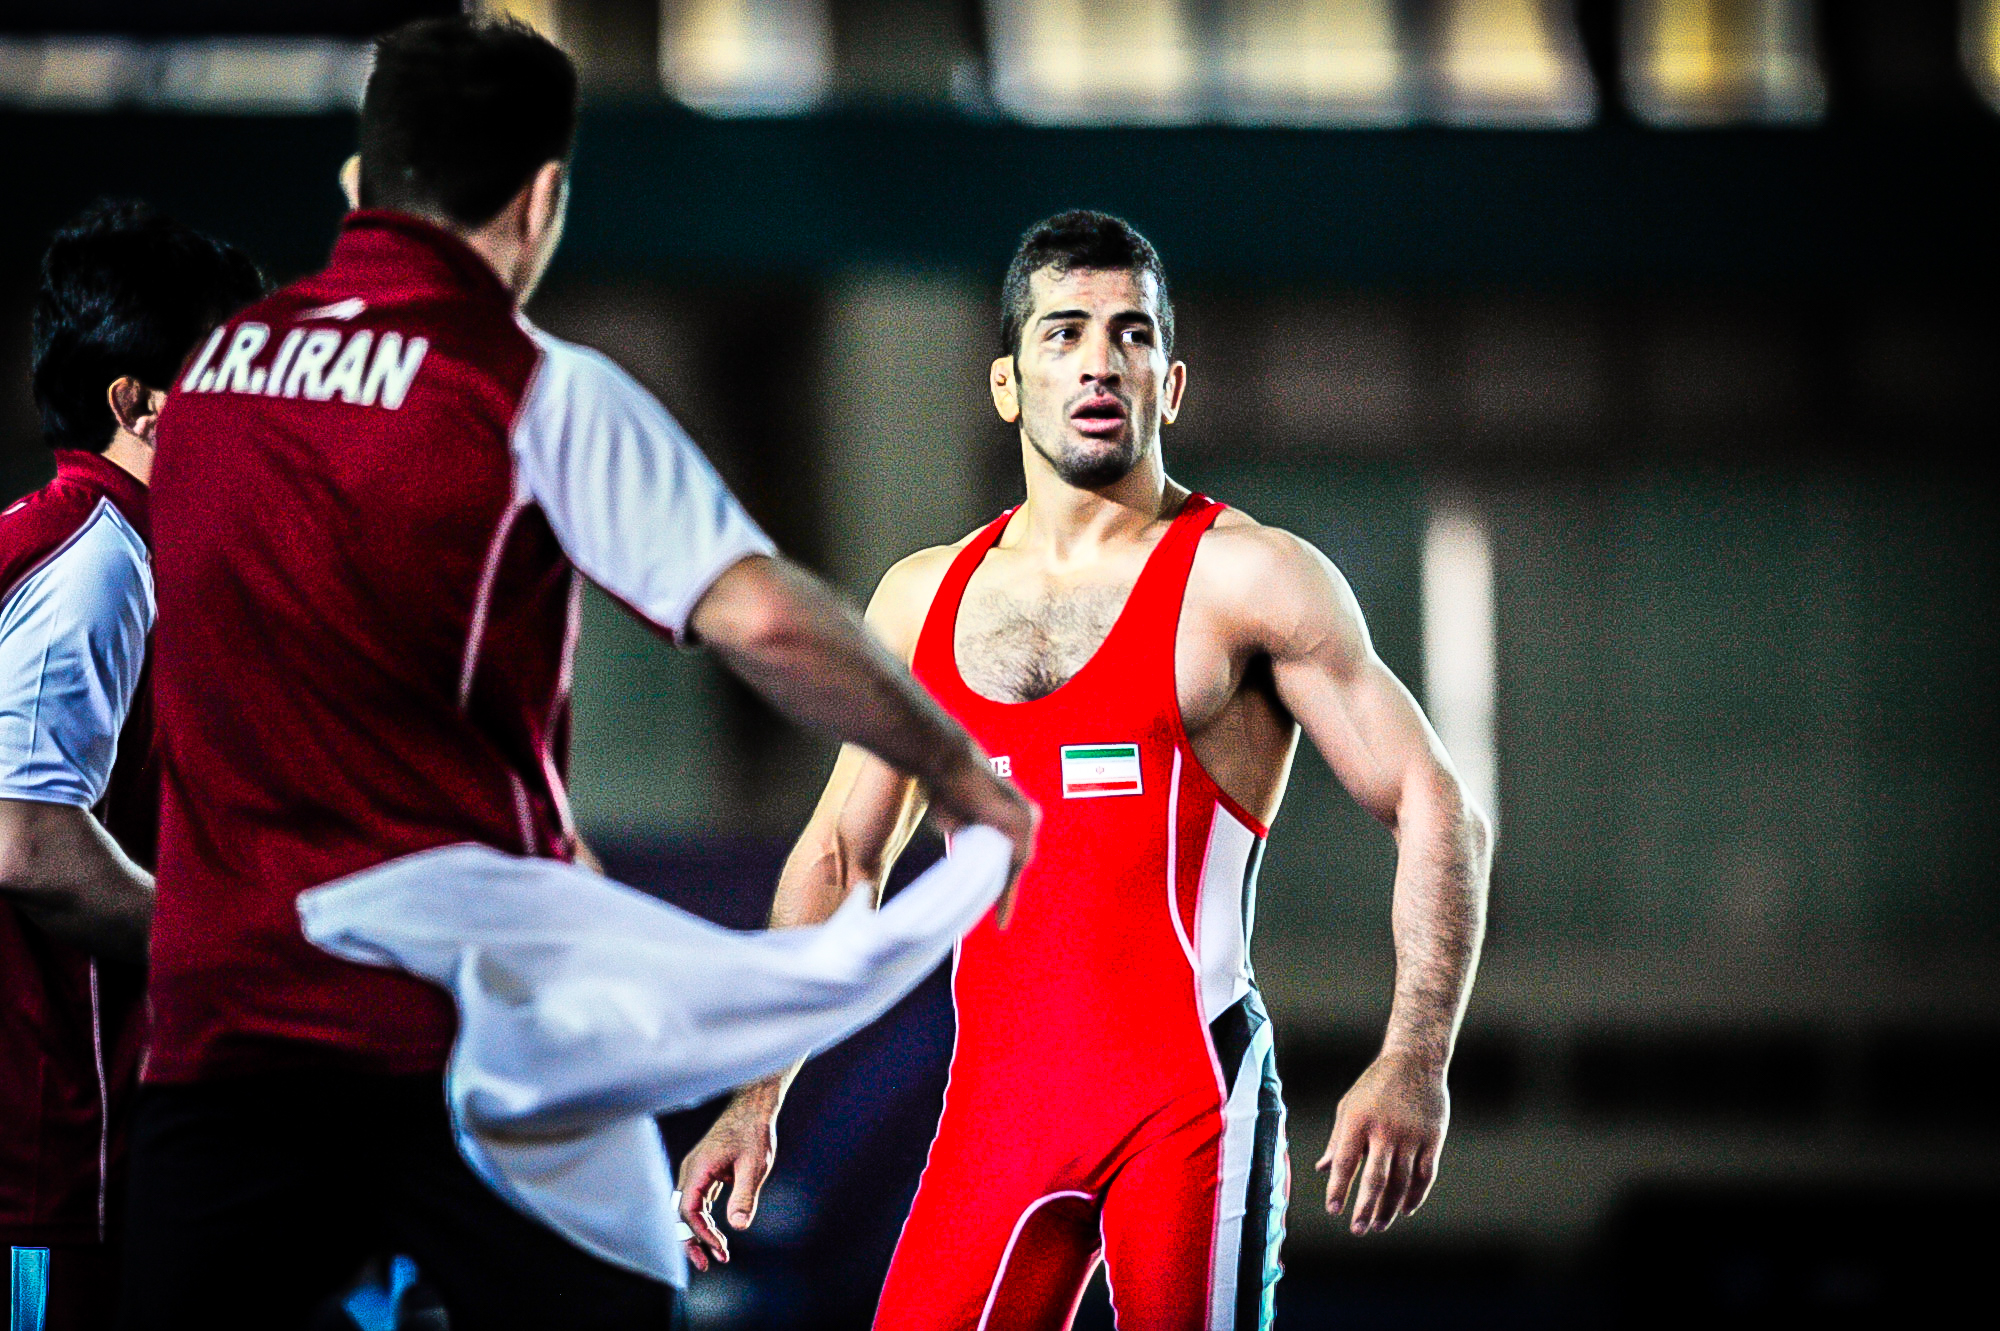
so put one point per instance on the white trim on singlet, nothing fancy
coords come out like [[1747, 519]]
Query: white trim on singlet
[[1000, 1272], [1104, 1256], [1173, 869], [631, 500], [1174, 913], [1235, 1164], [72, 646], [1222, 945]]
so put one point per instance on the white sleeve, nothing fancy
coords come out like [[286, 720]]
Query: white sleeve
[[632, 500], [72, 644]]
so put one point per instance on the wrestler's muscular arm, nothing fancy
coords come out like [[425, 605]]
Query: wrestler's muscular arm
[[1390, 1126], [865, 817]]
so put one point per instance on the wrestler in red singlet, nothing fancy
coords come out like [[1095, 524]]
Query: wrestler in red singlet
[[1112, 1087], [1141, 662]]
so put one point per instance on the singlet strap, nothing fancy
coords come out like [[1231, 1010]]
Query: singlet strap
[[936, 657], [1141, 647], [1162, 585]]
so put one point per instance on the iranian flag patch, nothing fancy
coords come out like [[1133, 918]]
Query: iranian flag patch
[[1090, 770]]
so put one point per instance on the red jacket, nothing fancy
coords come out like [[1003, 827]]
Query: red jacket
[[70, 1025], [372, 496]]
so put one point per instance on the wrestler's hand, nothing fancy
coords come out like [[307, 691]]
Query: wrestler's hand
[[1386, 1139], [738, 1150]]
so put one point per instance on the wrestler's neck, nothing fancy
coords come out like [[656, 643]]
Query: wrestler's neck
[[1067, 524]]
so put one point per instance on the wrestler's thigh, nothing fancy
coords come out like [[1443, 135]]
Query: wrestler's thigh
[[1159, 1231], [1193, 1224], [988, 1245]]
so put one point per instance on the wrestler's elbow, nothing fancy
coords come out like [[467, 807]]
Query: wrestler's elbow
[[1435, 798]]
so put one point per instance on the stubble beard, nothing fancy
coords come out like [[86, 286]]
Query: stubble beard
[[1083, 470]]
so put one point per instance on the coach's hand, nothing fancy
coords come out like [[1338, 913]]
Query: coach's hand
[[738, 1150], [968, 792], [1386, 1139]]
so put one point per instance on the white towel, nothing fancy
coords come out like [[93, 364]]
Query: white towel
[[585, 1008]]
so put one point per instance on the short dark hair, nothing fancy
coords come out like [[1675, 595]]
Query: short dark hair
[[460, 113], [1069, 241], [126, 291]]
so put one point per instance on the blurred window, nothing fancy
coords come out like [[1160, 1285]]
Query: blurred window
[[1509, 63], [217, 74], [1312, 62], [259, 74], [64, 73], [1722, 62], [747, 57], [1094, 61], [1459, 647], [1982, 47]]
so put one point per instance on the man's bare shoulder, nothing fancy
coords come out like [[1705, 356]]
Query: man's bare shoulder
[[1271, 584], [915, 578], [1242, 552], [903, 597]]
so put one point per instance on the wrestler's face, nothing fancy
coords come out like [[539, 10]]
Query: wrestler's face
[[1090, 384]]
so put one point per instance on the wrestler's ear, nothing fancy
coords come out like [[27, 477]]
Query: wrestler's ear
[[1176, 385], [1003, 379]]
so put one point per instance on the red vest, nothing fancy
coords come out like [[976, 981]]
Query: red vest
[[337, 547], [71, 1027]]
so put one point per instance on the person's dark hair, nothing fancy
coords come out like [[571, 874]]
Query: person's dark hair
[[1067, 242], [125, 291], [460, 113]]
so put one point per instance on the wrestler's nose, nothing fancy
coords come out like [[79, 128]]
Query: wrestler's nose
[[1100, 363]]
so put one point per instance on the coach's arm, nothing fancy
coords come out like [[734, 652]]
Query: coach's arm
[[796, 642], [64, 872], [1390, 1127], [870, 808]]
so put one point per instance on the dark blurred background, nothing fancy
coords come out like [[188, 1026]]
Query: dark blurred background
[[1637, 363]]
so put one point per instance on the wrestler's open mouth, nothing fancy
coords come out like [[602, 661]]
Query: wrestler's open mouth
[[1099, 416]]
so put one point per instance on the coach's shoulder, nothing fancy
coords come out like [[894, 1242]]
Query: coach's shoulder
[[572, 367]]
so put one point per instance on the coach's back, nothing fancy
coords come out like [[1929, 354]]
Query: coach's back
[[365, 619]]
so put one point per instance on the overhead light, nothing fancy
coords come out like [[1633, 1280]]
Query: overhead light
[[1981, 47], [1509, 63], [1094, 61], [747, 57], [544, 16], [1722, 62], [1311, 62]]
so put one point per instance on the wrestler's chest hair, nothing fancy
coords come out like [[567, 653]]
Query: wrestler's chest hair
[[1018, 648]]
